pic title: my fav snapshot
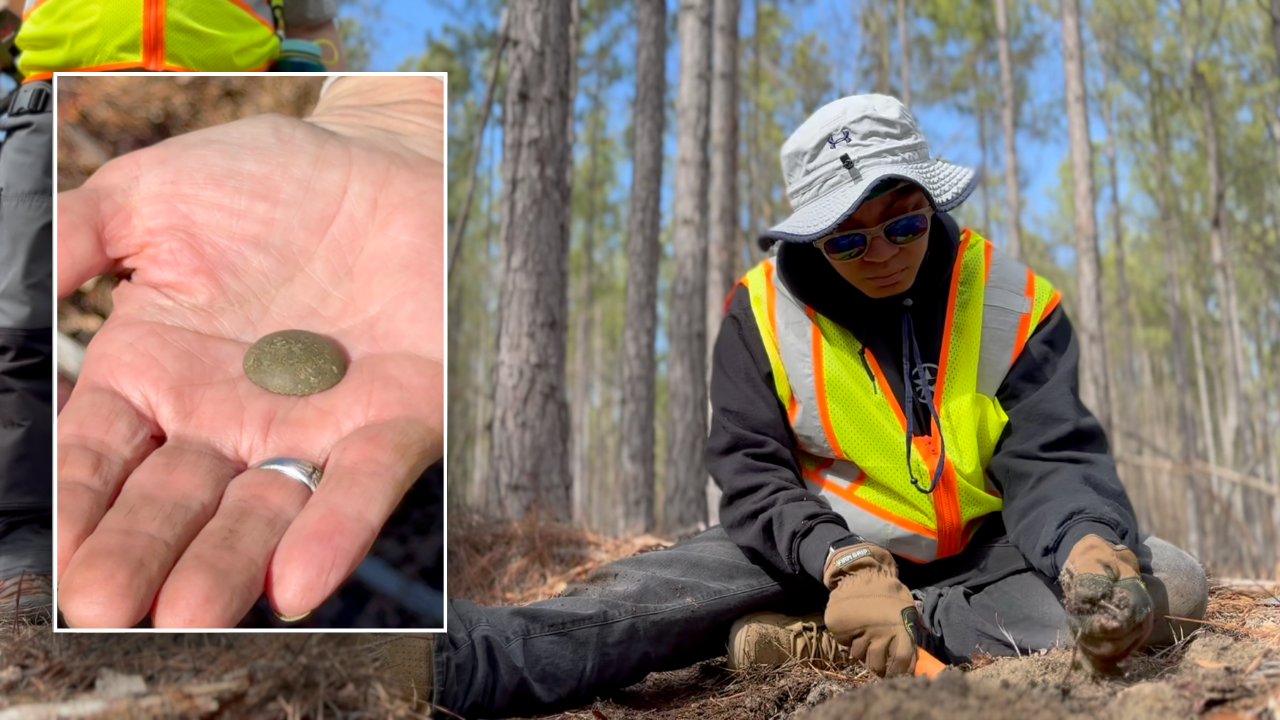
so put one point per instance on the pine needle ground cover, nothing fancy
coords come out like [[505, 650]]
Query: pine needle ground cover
[[1229, 669]]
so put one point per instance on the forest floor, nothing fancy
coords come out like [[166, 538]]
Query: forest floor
[[1228, 669]]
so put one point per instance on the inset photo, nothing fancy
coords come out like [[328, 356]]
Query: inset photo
[[250, 351]]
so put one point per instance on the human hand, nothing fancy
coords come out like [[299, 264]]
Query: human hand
[[870, 611], [333, 224], [1110, 610]]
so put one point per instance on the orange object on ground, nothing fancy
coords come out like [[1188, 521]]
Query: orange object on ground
[[927, 664]]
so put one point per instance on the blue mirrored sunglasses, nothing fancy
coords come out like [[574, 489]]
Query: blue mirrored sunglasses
[[851, 245]]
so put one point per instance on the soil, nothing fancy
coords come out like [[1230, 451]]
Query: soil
[[1229, 669], [1210, 674]]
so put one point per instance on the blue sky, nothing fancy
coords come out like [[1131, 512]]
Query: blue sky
[[401, 26]]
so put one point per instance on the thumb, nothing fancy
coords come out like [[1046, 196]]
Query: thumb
[[81, 251], [397, 112]]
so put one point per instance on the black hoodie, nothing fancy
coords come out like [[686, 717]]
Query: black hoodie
[[1051, 464]]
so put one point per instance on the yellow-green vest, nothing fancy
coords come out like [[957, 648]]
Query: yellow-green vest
[[850, 428], [176, 35]]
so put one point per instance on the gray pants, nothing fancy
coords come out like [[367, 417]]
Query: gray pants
[[671, 608], [26, 340]]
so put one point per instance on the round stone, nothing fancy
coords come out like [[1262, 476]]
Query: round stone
[[295, 362]]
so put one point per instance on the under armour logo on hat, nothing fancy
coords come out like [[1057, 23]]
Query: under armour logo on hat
[[834, 159]]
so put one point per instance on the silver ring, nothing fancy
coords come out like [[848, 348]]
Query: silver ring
[[300, 470]]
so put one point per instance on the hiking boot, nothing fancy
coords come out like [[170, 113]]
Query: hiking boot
[[26, 598], [410, 660], [771, 639]]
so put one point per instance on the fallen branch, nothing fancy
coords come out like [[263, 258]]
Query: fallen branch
[[196, 700]]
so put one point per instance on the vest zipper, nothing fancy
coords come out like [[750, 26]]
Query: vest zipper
[[862, 355], [153, 35]]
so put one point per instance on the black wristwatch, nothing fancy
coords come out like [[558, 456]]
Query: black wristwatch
[[843, 543]]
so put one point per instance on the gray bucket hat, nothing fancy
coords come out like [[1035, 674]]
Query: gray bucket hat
[[843, 150]]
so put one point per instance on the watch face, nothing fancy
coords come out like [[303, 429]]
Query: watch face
[[847, 542]]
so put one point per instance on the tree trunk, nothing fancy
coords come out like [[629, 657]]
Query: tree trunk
[[1128, 325], [982, 163], [685, 500], [584, 371], [754, 171], [904, 52], [1202, 390], [1008, 119], [1177, 341], [1234, 372], [1093, 371], [643, 222], [723, 234], [1275, 44], [460, 224], [531, 434]]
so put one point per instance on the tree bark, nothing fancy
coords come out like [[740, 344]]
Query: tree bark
[[982, 163], [460, 224], [723, 234], [904, 52], [1275, 44], [1128, 325], [1177, 343], [584, 371], [685, 501], [644, 219], [1008, 119], [1234, 372], [530, 437], [1093, 371]]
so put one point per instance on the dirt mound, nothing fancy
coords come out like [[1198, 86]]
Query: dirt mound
[[1231, 665], [1227, 670], [1214, 671]]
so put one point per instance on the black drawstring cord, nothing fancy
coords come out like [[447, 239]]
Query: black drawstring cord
[[910, 355], [862, 355]]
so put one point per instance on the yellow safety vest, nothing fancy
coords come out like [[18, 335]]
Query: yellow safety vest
[[178, 35], [850, 427]]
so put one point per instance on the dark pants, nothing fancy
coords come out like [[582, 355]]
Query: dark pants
[[26, 340], [670, 608]]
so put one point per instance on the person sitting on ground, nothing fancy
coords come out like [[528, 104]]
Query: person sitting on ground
[[905, 460]]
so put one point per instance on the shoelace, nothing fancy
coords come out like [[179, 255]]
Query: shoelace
[[812, 642], [910, 356]]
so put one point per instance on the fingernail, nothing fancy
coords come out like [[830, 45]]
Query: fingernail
[[292, 618]]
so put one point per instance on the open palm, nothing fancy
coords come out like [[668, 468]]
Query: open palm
[[229, 234]]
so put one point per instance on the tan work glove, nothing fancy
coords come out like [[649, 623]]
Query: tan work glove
[[870, 611], [1110, 610]]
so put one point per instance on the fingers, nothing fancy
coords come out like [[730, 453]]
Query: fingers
[[407, 111], [877, 660], [367, 473], [858, 648], [223, 571], [902, 655], [101, 439], [81, 251], [114, 577]]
